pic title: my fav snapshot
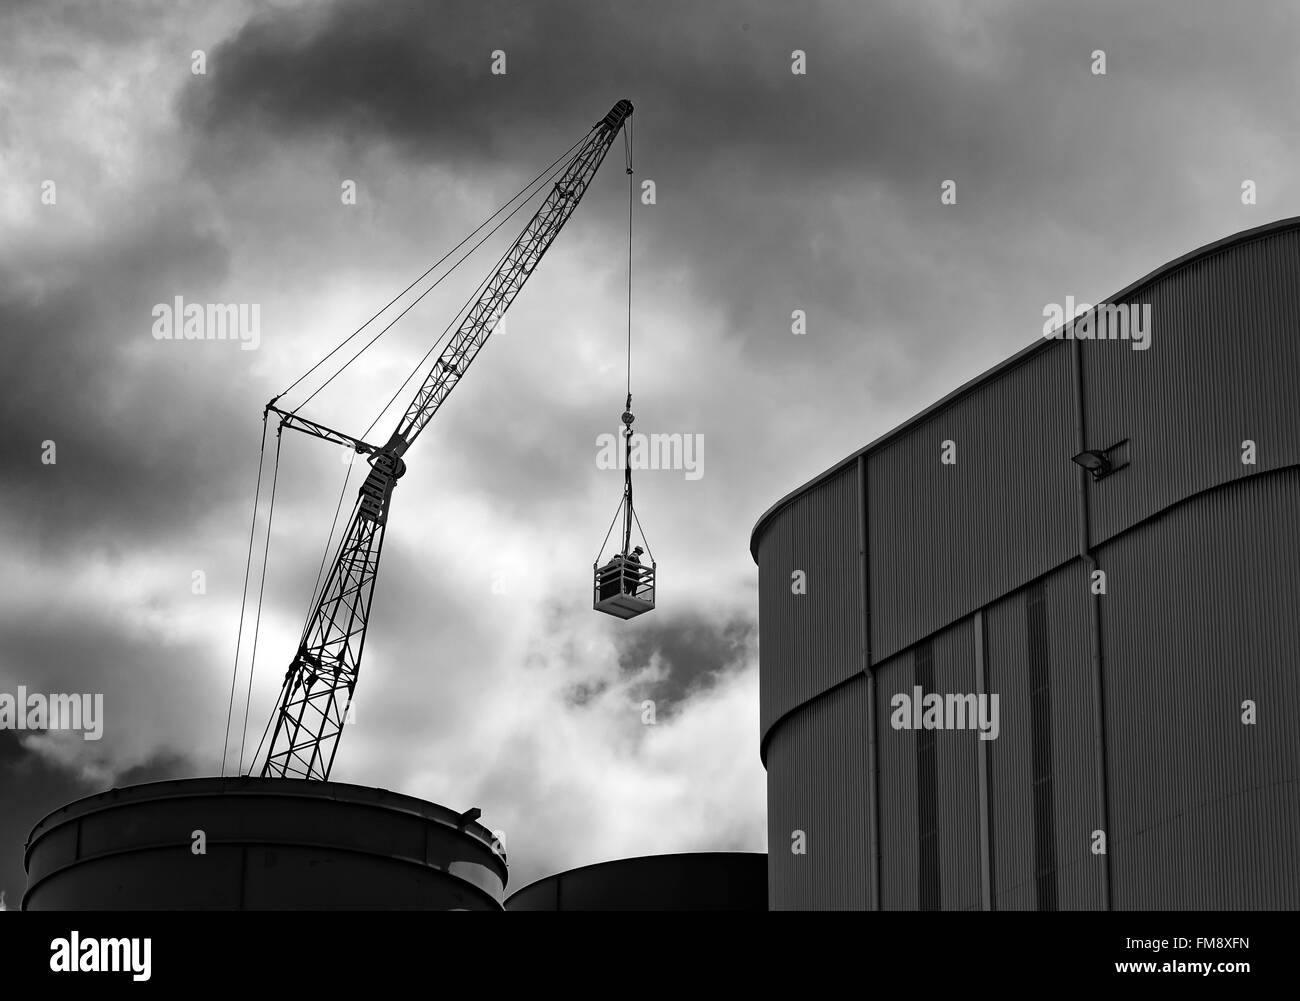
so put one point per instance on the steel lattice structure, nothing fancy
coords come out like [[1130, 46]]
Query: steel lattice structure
[[320, 682]]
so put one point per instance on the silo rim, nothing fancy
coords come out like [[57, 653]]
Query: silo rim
[[343, 792], [622, 861]]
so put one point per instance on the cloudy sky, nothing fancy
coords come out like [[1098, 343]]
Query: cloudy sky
[[775, 192]]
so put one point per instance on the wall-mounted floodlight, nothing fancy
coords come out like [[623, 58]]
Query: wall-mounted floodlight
[[1102, 462]]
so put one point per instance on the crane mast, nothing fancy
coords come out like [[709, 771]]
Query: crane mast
[[318, 686]]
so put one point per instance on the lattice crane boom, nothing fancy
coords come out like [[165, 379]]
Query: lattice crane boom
[[321, 680]]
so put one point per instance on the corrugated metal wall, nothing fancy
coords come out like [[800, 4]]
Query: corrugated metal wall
[[958, 783], [1013, 478], [825, 797], [1026, 834], [811, 641], [1205, 808], [1080, 875], [1223, 367], [1202, 809], [900, 858]]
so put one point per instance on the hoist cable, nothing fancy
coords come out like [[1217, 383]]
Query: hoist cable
[[243, 601], [338, 347], [627, 434], [261, 591], [418, 366], [631, 199], [329, 541], [627, 488]]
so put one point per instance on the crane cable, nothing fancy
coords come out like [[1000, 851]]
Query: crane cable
[[419, 365], [317, 594], [631, 198], [257, 622], [243, 601], [546, 175], [625, 507], [522, 192], [628, 417], [243, 604]]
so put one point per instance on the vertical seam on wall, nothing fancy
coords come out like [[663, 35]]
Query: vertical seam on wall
[[929, 889], [1041, 757], [1089, 560], [873, 783], [982, 752]]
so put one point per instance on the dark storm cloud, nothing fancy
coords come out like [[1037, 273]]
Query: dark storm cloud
[[124, 432], [733, 141], [34, 786], [756, 166], [694, 650], [135, 670]]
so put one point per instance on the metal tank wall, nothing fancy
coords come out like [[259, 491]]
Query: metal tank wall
[[271, 844], [968, 578], [689, 881]]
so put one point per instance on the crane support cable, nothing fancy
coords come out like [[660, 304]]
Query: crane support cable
[[257, 622], [243, 601], [554, 171], [446, 333], [303, 734], [548, 173], [469, 236], [329, 539]]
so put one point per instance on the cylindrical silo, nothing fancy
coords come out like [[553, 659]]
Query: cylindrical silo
[[260, 844], [692, 881]]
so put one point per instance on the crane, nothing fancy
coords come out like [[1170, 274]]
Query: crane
[[319, 684]]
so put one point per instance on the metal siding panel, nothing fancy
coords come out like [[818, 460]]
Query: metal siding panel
[[959, 822], [899, 835], [1080, 874], [946, 540], [1202, 613], [1223, 366], [817, 783], [813, 641], [1010, 757]]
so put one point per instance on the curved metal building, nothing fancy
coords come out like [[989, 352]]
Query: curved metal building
[[267, 844], [1139, 630], [691, 881]]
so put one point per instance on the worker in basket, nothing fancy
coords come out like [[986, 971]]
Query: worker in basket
[[633, 571], [622, 574]]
